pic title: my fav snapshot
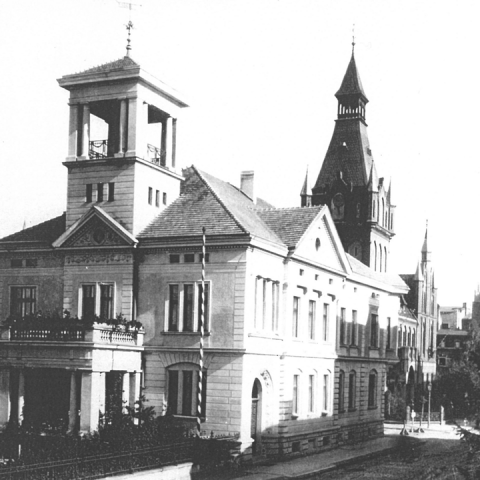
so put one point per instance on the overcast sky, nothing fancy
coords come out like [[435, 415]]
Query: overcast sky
[[261, 76]]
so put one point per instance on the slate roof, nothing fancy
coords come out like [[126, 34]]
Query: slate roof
[[120, 64], [391, 279], [46, 232], [351, 84], [289, 224], [209, 202]]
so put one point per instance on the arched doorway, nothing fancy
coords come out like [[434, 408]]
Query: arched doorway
[[256, 419]]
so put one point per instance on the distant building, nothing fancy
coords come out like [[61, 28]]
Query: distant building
[[451, 317]]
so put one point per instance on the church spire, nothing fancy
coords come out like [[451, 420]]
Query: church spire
[[306, 192], [425, 251]]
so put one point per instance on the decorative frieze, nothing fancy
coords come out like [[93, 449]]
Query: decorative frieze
[[99, 258]]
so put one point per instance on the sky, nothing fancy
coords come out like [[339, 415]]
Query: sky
[[260, 78]]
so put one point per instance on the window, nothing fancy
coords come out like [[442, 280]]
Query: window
[[164, 198], [207, 257], [275, 296], [343, 327], [266, 304], [311, 393], [341, 391], [352, 386], [374, 331], [188, 308], [111, 192], [150, 195], [23, 300], [173, 308], [174, 258], [16, 263], [326, 392], [106, 301], [295, 316], [325, 321], [295, 395], [88, 192], [31, 262], [312, 308], [372, 389], [354, 327], [389, 333], [88, 301], [157, 198], [183, 390], [189, 258], [99, 192]]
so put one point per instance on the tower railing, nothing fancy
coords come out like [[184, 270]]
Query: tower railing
[[157, 155], [98, 149]]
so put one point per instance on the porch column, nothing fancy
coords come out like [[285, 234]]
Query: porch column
[[168, 139], [21, 395], [137, 124], [4, 397], [72, 133], [85, 132], [123, 129], [73, 410], [126, 392], [135, 383], [92, 400]]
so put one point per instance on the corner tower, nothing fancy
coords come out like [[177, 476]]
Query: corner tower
[[122, 143], [359, 201]]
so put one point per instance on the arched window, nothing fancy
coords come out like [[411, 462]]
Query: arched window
[[385, 259], [375, 251], [409, 344], [326, 392], [372, 389], [182, 389], [380, 261], [382, 218], [341, 391], [352, 387], [404, 336]]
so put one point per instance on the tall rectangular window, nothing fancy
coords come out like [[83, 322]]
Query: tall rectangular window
[[295, 315], [111, 192], [188, 308], [372, 390], [354, 327], [106, 301], [295, 395], [164, 195], [207, 305], [311, 393], [325, 321], [23, 300], [183, 392], [312, 318], [326, 392], [150, 195], [389, 333], [88, 192], [374, 330], [173, 309], [99, 192], [343, 327], [157, 198], [88, 301], [275, 299], [341, 391], [352, 385]]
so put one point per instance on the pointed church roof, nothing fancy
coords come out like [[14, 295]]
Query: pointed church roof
[[425, 243], [351, 84], [418, 274], [373, 179], [307, 188]]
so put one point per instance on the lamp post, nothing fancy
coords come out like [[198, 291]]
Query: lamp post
[[429, 388]]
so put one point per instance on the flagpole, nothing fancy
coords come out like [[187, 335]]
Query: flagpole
[[202, 323]]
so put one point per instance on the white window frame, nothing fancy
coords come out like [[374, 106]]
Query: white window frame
[[326, 392], [97, 297], [266, 304], [196, 312]]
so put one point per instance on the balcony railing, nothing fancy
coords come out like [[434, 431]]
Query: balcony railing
[[156, 155], [102, 334], [98, 149]]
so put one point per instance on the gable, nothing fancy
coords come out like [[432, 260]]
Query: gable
[[95, 229], [319, 245]]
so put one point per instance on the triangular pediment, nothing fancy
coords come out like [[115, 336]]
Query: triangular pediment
[[321, 244], [95, 229]]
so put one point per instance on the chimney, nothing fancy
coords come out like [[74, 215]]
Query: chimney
[[247, 184]]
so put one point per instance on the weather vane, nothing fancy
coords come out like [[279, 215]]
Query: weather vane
[[353, 38], [131, 6]]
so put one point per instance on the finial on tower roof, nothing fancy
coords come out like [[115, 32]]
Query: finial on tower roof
[[129, 25], [353, 39]]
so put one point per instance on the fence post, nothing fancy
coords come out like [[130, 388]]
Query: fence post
[[442, 415]]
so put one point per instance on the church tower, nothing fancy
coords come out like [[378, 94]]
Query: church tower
[[359, 201], [122, 144]]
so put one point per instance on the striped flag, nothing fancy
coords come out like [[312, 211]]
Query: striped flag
[[202, 323]]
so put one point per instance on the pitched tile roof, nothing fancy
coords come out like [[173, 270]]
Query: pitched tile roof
[[121, 63], [391, 279], [289, 224], [43, 233], [214, 204]]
